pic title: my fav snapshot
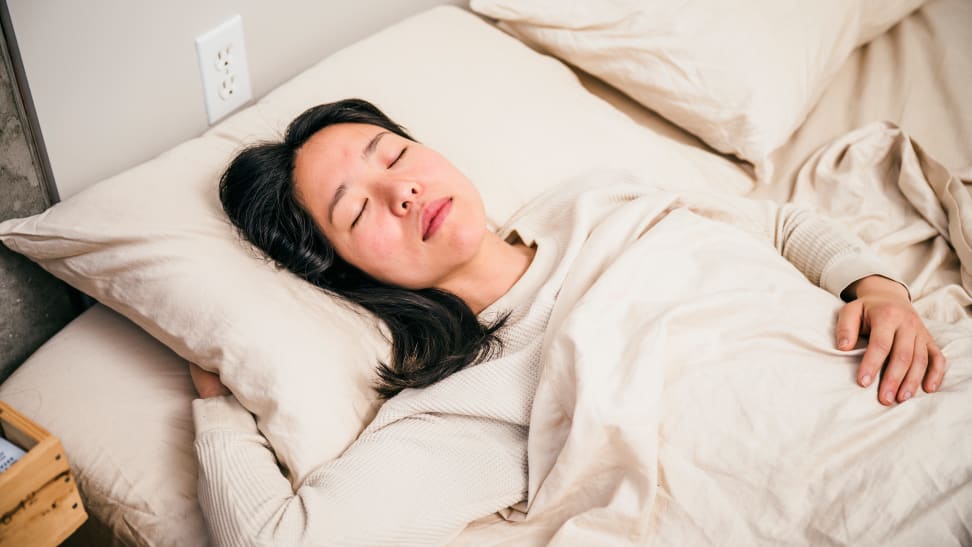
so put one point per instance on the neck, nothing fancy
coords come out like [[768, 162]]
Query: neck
[[490, 275]]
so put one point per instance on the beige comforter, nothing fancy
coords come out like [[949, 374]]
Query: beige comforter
[[692, 394]]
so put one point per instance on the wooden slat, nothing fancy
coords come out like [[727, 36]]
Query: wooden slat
[[39, 500]]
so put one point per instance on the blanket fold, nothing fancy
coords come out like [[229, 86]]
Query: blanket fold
[[692, 395], [896, 197]]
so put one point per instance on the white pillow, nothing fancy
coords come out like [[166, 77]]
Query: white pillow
[[121, 404], [153, 243], [742, 76]]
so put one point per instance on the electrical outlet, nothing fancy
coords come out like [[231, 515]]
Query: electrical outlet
[[224, 70]]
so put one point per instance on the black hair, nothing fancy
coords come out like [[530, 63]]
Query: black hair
[[433, 332]]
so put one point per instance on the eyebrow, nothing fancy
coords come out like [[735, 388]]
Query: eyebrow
[[370, 149], [342, 188]]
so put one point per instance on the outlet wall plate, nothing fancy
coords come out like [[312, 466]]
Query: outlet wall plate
[[223, 67]]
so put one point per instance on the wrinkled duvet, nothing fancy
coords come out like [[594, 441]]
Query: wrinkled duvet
[[692, 394]]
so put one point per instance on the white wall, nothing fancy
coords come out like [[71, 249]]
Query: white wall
[[116, 82]]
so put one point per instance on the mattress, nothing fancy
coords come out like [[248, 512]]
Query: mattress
[[120, 401]]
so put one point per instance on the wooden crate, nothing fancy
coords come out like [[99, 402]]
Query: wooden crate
[[39, 500]]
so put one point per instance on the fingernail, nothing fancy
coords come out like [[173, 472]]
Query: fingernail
[[866, 380], [932, 386], [888, 396], [843, 342], [905, 396]]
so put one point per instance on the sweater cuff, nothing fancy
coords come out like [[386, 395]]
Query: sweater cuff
[[222, 413], [847, 268]]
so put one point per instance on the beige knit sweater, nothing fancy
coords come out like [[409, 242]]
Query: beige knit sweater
[[437, 458]]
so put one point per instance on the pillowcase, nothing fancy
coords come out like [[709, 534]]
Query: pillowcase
[[742, 76], [98, 385], [153, 243]]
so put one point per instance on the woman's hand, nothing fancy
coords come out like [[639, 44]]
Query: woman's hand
[[207, 383], [882, 310]]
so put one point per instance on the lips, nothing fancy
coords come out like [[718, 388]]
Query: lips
[[433, 215]]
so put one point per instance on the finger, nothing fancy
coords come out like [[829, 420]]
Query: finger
[[899, 361], [849, 325], [919, 364], [936, 368], [878, 347], [194, 372]]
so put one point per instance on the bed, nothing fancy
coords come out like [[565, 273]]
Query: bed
[[522, 97]]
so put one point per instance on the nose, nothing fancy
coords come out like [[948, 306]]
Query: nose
[[403, 197]]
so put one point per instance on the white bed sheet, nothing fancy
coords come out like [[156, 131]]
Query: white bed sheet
[[119, 400]]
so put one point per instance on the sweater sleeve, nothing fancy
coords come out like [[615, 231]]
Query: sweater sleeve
[[416, 481], [825, 251]]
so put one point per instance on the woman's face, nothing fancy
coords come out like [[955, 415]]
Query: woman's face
[[395, 209]]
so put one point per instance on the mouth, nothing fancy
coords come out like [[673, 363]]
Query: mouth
[[433, 215]]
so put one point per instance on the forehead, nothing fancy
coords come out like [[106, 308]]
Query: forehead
[[326, 151], [325, 160]]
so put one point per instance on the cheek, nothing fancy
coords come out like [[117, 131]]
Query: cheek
[[375, 251], [435, 167], [377, 245]]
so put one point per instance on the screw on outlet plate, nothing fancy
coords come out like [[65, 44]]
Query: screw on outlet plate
[[223, 67]]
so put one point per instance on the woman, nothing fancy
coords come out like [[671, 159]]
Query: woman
[[351, 203]]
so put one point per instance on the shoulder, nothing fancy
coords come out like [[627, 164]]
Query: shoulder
[[594, 192]]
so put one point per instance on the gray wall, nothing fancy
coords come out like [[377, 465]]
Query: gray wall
[[33, 304], [116, 82]]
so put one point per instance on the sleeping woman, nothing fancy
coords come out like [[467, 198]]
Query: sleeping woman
[[351, 203]]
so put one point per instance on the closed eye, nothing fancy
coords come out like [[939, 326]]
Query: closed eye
[[400, 154], [361, 212]]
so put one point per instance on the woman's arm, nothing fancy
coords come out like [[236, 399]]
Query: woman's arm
[[417, 481], [879, 305]]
